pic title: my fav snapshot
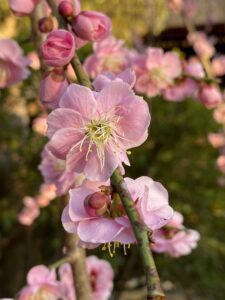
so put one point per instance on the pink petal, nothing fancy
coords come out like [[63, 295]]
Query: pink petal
[[63, 118], [99, 230], [63, 140], [67, 223], [114, 94], [80, 99]]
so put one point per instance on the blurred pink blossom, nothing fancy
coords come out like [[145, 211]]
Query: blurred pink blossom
[[194, 68], [156, 70], [39, 124], [23, 7], [218, 66], [201, 44], [58, 49], [182, 90], [93, 131], [109, 55], [41, 284], [101, 278], [221, 163], [217, 140], [219, 114], [210, 96], [91, 26], [30, 211], [47, 193], [13, 65], [34, 60], [174, 238]]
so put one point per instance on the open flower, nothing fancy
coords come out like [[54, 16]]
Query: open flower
[[54, 172], [93, 131], [41, 284], [174, 238], [109, 222], [100, 274], [13, 65], [156, 70], [109, 55]]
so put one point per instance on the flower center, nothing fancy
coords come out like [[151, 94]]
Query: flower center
[[98, 132], [157, 75]]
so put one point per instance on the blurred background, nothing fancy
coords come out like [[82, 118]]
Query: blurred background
[[177, 154]]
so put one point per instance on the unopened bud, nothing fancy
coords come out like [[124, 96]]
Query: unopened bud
[[66, 9], [46, 24], [96, 204]]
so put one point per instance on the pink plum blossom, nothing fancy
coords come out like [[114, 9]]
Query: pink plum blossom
[[41, 284], [109, 55], [180, 244], [29, 212], [101, 279], [219, 114], [39, 124], [210, 96], [201, 44], [189, 7], [54, 172], [112, 225], [194, 68], [156, 70], [23, 7], [218, 66], [52, 87], [104, 79], [92, 131], [91, 26], [58, 49], [174, 238], [221, 163], [217, 140], [101, 276], [34, 60], [13, 65], [184, 89], [47, 193]]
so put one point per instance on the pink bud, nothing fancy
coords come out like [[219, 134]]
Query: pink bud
[[210, 96], [66, 9], [58, 49], [96, 204], [91, 26], [52, 87], [46, 24]]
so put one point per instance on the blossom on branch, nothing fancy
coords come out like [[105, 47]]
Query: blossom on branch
[[108, 223], [92, 131]]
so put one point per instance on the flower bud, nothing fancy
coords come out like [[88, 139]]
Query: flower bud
[[66, 9], [46, 24], [91, 26], [52, 87], [59, 48], [96, 204]]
